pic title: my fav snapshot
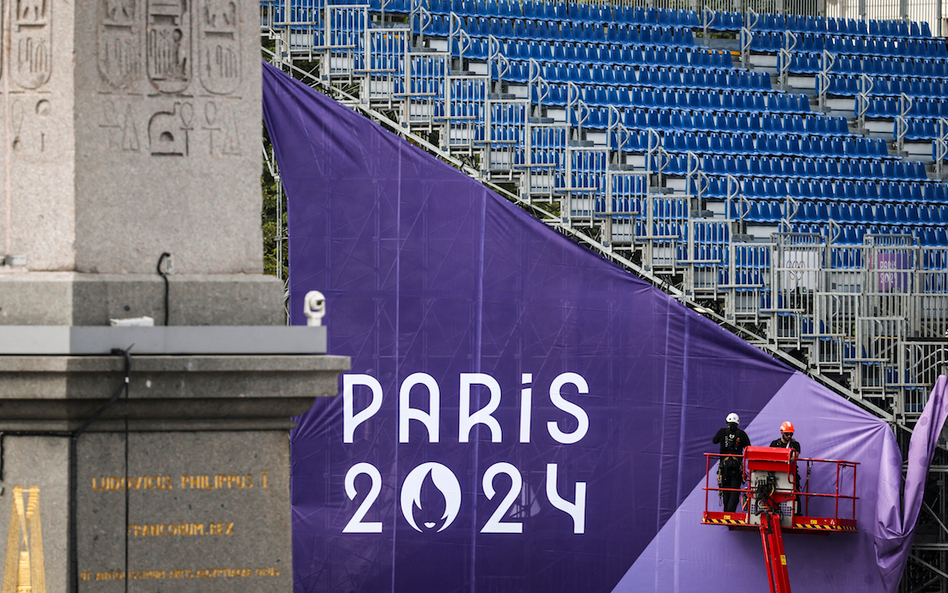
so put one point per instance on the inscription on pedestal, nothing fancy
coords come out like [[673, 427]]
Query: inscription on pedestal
[[196, 511]]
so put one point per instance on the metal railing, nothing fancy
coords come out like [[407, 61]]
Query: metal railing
[[837, 504]]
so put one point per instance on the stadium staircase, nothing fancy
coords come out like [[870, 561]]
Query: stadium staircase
[[783, 174]]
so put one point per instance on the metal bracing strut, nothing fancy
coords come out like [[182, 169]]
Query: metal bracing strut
[[789, 43], [827, 61], [751, 19], [941, 147], [862, 101], [901, 122]]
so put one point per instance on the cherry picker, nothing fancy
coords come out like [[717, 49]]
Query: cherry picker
[[775, 502]]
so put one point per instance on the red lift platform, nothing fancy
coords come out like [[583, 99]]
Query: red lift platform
[[774, 502]]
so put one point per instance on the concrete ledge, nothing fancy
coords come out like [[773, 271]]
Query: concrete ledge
[[78, 341], [165, 392]]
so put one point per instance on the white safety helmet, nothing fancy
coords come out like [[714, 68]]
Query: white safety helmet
[[732, 417]]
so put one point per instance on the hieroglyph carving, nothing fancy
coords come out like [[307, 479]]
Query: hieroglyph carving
[[31, 42], [168, 46], [29, 123], [120, 124], [168, 130], [219, 46], [221, 125], [120, 42]]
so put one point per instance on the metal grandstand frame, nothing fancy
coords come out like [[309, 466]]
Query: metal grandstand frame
[[868, 319]]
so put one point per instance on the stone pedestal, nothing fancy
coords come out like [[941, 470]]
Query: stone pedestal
[[183, 485]]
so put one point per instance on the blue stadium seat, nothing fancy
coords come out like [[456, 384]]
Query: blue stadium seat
[[556, 11], [557, 95], [463, 8], [645, 15], [894, 170]]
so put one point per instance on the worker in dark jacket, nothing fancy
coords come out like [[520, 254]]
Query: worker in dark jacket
[[786, 440], [731, 467]]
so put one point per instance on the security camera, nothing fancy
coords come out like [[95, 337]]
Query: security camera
[[314, 305]]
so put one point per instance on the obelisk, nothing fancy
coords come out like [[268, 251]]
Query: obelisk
[[153, 458]]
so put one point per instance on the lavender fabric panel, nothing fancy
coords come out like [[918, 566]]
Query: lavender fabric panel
[[896, 532], [426, 271], [688, 556]]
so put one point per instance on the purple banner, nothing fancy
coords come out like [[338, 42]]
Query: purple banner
[[521, 415], [888, 266]]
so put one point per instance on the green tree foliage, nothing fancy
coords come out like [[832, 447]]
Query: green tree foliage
[[273, 210]]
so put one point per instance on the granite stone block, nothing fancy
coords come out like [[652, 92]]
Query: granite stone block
[[69, 298], [197, 512]]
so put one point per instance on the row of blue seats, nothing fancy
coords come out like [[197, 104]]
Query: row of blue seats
[[876, 66], [872, 179], [843, 212], [664, 17], [585, 32], [752, 258], [638, 139], [774, 145], [843, 234], [761, 123], [440, 26], [557, 11], [669, 18], [712, 231], [935, 260], [934, 237], [816, 43], [701, 100], [827, 190], [733, 21], [661, 77], [625, 55], [635, 15], [922, 129], [759, 141], [809, 168], [888, 107], [839, 191], [832, 190], [674, 120], [848, 85], [855, 234]]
